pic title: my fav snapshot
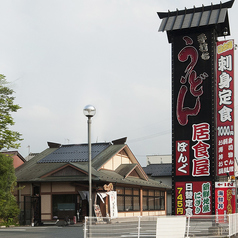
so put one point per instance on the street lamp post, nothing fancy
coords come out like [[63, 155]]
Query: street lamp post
[[89, 111]]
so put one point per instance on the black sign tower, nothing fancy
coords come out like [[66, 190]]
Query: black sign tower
[[193, 35]]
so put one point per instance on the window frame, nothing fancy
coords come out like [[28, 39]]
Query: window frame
[[149, 196], [132, 196]]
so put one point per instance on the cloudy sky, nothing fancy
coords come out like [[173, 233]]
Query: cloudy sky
[[62, 55]]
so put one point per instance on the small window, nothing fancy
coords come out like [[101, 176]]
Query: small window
[[136, 203], [153, 200], [128, 203], [128, 199], [120, 203]]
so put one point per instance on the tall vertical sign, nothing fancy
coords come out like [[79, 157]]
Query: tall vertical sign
[[225, 107], [193, 123], [225, 197], [202, 105]]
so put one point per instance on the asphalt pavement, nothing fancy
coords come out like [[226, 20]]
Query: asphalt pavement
[[52, 232], [42, 232]]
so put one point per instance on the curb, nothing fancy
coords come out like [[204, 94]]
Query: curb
[[7, 227]]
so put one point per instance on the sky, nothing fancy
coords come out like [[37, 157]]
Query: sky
[[60, 56]]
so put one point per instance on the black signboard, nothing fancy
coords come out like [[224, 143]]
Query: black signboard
[[193, 135]]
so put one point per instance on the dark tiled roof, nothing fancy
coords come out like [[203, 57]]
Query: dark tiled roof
[[195, 17], [158, 170], [74, 153], [33, 171]]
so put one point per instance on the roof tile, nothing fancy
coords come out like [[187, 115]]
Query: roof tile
[[74, 153]]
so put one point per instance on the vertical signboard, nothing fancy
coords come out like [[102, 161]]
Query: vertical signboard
[[193, 123], [225, 107], [225, 200], [113, 204], [193, 198]]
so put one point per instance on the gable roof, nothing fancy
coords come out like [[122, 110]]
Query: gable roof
[[158, 170], [54, 164]]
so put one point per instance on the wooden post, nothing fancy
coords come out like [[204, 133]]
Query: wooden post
[[141, 201], [165, 201]]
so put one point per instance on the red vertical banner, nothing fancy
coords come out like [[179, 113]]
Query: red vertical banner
[[225, 107], [225, 200], [193, 198]]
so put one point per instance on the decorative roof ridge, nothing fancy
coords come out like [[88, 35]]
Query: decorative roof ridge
[[86, 144], [194, 9]]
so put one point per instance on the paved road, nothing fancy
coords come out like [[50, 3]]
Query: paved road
[[42, 232]]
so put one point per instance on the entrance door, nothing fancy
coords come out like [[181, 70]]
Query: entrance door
[[64, 206], [31, 210]]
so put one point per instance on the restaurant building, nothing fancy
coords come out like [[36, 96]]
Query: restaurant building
[[54, 184]]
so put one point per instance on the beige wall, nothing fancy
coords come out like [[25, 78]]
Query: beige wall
[[26, 189], [45, 188], [144, 213], [46, 207], [62, 188], [116, 161], [125, 160], [45, 203], [108, 165]]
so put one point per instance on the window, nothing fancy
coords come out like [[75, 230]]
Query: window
[[64, 205], [128, 199], [153, 200]]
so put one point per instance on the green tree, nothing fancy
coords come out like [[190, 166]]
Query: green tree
[[9, 210], [8, 138]]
